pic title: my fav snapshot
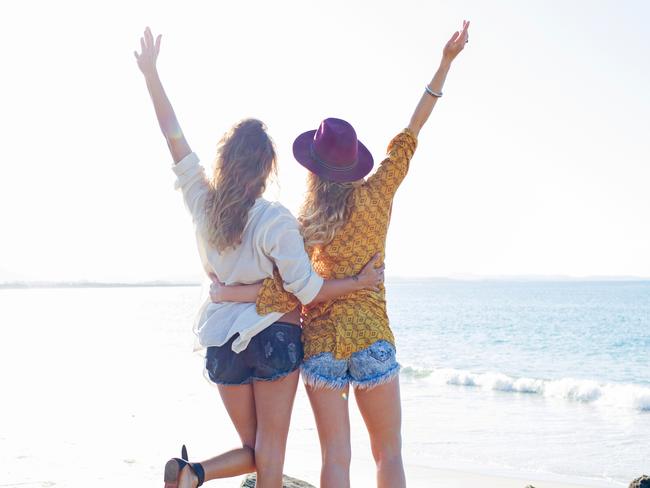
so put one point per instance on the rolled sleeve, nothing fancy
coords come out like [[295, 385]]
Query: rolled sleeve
[[191, 180], [310, 289], [393, 169], [284, 244]]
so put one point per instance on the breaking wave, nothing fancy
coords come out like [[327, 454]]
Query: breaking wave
[[585, 391]]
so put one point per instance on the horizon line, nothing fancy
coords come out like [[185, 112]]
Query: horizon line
[[454, 278]]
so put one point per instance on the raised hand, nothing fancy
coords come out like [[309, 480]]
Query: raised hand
[[434, 88], [149, 52], [457, 43], [178, 146]]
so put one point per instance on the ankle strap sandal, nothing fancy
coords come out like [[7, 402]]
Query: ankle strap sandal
[[174, 467]]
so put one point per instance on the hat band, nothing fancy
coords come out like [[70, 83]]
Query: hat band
[[323, 163]]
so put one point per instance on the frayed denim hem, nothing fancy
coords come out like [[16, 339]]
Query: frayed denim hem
[[206, 375], [377, 380], [319, 382], [275, 377], [247, 381]]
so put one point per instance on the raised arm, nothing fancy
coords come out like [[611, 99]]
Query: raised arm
[[178, 146], [429, 98]]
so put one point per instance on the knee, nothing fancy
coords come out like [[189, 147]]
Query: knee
[[248, 444], [338, 456], [389, 451], [268, 458]]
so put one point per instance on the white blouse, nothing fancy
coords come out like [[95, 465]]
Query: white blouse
[[271, 237]]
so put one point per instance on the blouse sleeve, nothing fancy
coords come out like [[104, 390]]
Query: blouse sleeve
[[283, 243], [393, 169], [272, 297], [192, 182]]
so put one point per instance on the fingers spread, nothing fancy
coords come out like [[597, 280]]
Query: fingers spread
[[148, 36]]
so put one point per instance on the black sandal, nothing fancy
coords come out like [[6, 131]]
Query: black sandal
[[175, 465]]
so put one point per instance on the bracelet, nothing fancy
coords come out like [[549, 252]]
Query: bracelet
[[431, 92]]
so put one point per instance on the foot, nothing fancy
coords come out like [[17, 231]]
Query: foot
[[187, 478]]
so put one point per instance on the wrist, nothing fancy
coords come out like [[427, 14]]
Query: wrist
[[357, 284], [445, 63], [150, 74]]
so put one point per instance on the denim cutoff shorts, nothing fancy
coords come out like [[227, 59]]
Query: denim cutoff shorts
[[272, 354], [370, 367]]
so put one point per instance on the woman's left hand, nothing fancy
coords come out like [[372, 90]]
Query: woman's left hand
[[370, 276], [216, 289], [457, 43]]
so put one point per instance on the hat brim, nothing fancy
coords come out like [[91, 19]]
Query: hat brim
[[302, 153]]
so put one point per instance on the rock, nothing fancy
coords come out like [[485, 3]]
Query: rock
[[287, 482], [642, 482]]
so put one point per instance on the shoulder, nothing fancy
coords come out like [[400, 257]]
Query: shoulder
[[276, 208], [274, 215]]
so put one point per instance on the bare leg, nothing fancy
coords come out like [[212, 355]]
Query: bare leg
[[273, 405], [382, 412], [240, 405], [333, 422]]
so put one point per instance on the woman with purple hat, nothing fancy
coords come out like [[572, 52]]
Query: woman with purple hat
[[242, 238], [348, 340]]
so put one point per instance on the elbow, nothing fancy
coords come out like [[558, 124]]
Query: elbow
[[415, 128]]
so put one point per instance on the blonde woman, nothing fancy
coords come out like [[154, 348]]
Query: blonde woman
[[348, 340], [242, 238]]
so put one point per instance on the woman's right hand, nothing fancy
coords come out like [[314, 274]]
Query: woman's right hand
[[150, 49], [371, 276]]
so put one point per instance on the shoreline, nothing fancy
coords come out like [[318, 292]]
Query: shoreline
[[396, 279], [417, 476], [457, 478], [47, 284]]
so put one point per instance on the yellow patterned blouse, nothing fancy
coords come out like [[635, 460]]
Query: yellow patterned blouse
[[356, 321]]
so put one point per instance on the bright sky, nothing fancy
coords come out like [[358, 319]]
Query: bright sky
[[534, 162]]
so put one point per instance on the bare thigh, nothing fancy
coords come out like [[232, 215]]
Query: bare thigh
[[273, 405], [382, 412], [239, 401], [332, 416], [333, 423]]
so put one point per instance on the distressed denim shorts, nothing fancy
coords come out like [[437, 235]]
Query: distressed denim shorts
[[272, 354], [367, 368]]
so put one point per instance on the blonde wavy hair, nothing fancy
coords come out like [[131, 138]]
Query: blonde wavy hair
[[325, 210], [245, 160]]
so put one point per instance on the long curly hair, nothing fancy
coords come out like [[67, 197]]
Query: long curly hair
[[325, 210], [245, 159]]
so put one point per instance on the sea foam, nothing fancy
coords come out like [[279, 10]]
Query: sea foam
[[580, 390]]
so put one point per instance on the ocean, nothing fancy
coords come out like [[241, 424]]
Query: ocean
[[547, 380]]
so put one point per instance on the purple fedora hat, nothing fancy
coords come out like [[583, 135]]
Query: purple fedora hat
[[333, 152]]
